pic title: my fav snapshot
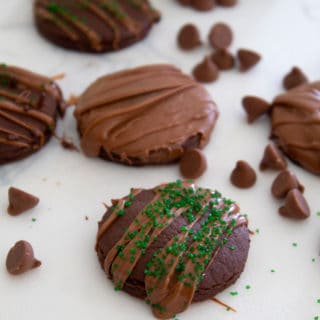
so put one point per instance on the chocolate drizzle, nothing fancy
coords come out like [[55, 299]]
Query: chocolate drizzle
[[28, 110], [135, 113], [296, 125], [90, 21], [175, 270]]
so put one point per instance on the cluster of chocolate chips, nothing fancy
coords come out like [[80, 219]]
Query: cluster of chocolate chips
[[286, 185], [220, 38], [20, 258], [206, 5]]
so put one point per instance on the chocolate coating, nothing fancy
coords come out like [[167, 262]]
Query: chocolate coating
[[29, 106], [20, 258], [94, 26], [221, 268], [147, 115], [296, 125], [20, 201]]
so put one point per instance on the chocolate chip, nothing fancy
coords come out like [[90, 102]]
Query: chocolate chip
[[284, 182], [206, 71], [294, 78], [20, 201], [185, 2], [220, 36], [193, 164], [223, 59], [227, 3], [243, 175], [203, 5], [254, 107], [295, 206], [21, 258], [248, 59], [189, 37], [272, 158]]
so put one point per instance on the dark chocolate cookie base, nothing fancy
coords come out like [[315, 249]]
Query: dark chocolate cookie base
[[224, 271]]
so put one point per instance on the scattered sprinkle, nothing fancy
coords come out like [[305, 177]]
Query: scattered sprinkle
[[294, 244], [34, 219], [232, 247], [318, 301], [257, 231], [318, 213], [233, 293], [273, 271], [248, 287], [313, 259], [316, 318], [86, 218]]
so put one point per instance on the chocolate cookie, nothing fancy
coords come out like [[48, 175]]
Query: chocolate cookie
[[173, 245], [94, 26], [29, 105], [148, 115], [296, 125]]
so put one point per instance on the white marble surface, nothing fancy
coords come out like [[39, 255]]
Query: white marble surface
[[70, 284]]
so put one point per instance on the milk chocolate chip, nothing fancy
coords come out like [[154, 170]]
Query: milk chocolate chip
[[284, 182], [243, 175], [223, 59], [21, 258], [295, 206], [220, 36], [254, 107], [272, 158], [294, 78], [206, 71], [20, 201], [227, 3], [248, 59], [193, 164], [203, 5], [189, 37]]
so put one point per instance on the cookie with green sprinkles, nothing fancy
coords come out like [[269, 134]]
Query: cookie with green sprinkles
[[173, 245], [29, 105], [94, 26]]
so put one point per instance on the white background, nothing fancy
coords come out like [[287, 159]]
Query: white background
[[70, 283]]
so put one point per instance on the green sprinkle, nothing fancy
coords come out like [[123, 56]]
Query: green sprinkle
[[233, 293], [318, 301], [232, 247], [294, 244], [313, 259], [257, 231], [34, 219], [248, 287], [316, 318], [120, 212], [318, 213], [273, 271]]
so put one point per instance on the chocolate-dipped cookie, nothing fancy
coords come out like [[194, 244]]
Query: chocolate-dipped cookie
[[29, 105], [296, 125], [94, 26], [173, 245], [147, 115]]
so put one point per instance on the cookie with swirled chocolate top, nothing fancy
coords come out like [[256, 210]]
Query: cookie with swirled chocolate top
[[147, 115], [295, 120], [173, 245], [96, 25], [29, 105]]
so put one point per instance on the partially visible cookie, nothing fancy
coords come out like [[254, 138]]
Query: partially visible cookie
[[29, 104], [295, 119], [94, 26], [173, 245], [147, 115]]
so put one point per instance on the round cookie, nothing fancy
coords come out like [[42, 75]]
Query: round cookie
[[94, 26], [173, 245], [147, 115], [29, 104], [296, 125]]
